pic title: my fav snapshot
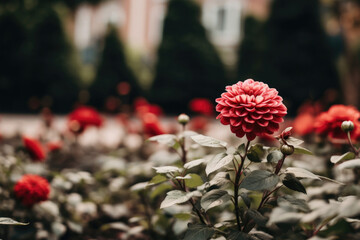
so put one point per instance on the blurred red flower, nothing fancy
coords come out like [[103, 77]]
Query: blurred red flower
[[54, 146], [31, 189], [251, 108], [329, 123], [83, 117], [152, 125], [35, 149], [199, 124], [142, 106], [304, 124], [202, 105]]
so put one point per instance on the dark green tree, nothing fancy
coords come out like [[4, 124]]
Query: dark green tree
[[12, 57], [299, 61], [188, 66], [54, 71], [112, 70], [251, 52]]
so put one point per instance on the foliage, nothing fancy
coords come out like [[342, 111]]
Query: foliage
[[38, 66], [289, 49], [251, 52], [298, 52], [112, 71], [186, 60], [230, 185]]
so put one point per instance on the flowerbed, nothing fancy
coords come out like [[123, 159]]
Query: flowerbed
[[169, 180]]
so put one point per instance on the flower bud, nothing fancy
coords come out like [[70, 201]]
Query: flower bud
[[183, 119], [347, 126], [287, 149]]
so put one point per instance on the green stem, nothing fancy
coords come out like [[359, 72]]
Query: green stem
[[182, 145], [182, 182], [237, 185], [355, 150]]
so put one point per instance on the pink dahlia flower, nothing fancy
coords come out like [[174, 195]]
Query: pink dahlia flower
[[251, 108]]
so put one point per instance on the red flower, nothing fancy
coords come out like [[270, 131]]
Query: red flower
[[35, 149], [54, 146], [152, 125], [329, 123], [31, 189], [304, 124], [199, 124], [83, 117], [251, 108], [202, 106], [142, 107]]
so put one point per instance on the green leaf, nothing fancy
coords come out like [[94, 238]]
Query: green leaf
[[256, 153], [166, 169], [274, 156], [194, 181], [208, 141], [241, 149], [331, 180], [355, 163], [346, 156], [289, 201], [301, 150], [9, 221], [139, 186], [214, 198], [220, 160], [246, 199], [257, 217], [294, 141], [187, 176], [220, 179], [174, 197], [259, 180], [183, 216], [291, 182], [198, 232], [341, 229], [159, 189], [168, 139], [193, 163], [159, 178], [301, 173], [280, 215], [237, 235]]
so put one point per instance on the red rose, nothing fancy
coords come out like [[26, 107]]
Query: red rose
[[329, 123], [35, 149], [202, 106], [251, 108], [31, 189], [83, 117]]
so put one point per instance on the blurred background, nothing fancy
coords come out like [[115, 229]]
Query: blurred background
[[106, 53]]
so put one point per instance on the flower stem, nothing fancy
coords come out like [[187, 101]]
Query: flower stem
[[279, 165], [183, 150], [237, 185], [182, 182], [355, 150]]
